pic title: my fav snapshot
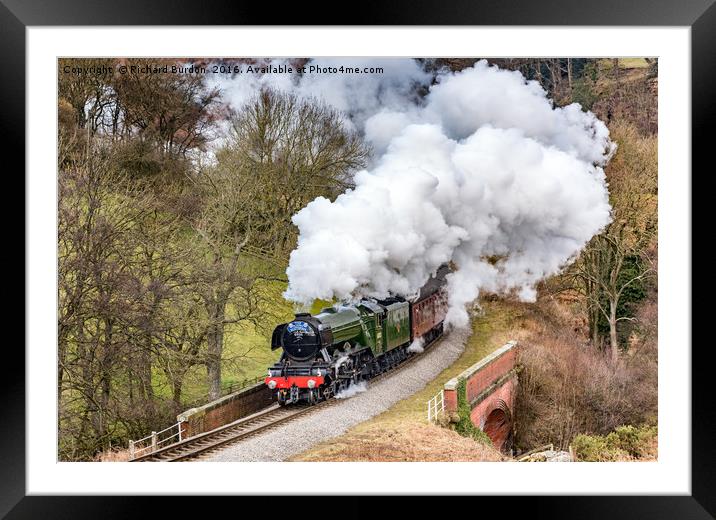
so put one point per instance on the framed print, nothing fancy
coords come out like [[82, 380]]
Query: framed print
[[452, 240]]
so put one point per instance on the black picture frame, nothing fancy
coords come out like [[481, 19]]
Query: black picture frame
[[700, 15]]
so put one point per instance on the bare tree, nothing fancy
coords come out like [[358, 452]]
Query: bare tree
[[89, 94], [122, 272], [226, 281], [96, 215], [600, 270], [298, 150], [282, 153], [173, 112], [602, 274]]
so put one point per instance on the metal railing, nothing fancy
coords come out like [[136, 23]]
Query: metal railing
[[172, 435], [155, 441], [436, 406]]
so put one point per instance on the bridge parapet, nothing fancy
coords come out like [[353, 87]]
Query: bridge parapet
[[225, 410], [487, 392]]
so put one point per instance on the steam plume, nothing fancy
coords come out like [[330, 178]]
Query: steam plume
[[485, 173]]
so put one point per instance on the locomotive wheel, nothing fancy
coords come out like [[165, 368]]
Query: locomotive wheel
[[330, 390], [281, 400]]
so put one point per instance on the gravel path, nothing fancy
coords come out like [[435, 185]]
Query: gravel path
[[304, 432]]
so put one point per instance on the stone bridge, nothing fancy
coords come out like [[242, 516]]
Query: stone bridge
[[486, 391]]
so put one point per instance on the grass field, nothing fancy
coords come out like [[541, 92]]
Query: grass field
[[624, 63]]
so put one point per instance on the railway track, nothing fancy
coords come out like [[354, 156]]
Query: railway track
[[208, 442]]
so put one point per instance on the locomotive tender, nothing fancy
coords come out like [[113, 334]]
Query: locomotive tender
[[344, 344]]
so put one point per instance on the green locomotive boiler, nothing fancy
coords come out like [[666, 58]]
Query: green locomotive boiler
[[327, 352]]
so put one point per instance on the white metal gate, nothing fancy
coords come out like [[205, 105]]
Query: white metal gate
[[436, 406]]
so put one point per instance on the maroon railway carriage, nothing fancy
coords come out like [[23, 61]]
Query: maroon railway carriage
[[428, 311]]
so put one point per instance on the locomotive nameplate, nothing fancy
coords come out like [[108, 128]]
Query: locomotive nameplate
[[300, 328]]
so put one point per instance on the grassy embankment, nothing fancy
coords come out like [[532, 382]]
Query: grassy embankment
[[402, 433]]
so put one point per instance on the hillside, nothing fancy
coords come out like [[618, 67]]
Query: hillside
[[549, 329], [168, 182]]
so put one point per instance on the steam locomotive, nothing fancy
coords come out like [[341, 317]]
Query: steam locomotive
[[326, 353]]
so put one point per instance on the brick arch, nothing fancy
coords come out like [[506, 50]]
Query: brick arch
[[498, 425], [496, 399], [488, 388]]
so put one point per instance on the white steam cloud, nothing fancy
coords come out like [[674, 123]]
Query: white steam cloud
[[483, 171], [417, 346], [486, 173], [353, 389], [357, 96]]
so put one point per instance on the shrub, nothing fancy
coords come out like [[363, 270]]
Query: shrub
[[624, 443], [569, 387], [637, 442], [593, 448]]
